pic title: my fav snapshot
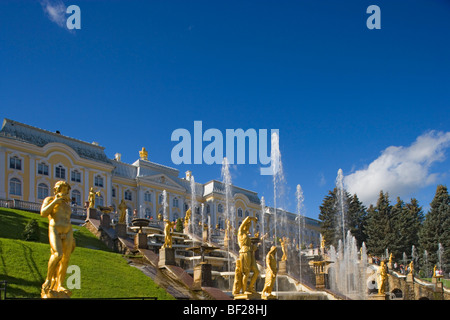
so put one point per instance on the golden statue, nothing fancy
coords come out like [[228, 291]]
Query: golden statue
[[186, 219], [143, 154], [228, 230], [284, 243], [168, 233], [62, 243], [411, 267], [123, 212], [271, 274], [91, 197], [390, 258], [246, 254], [382, 278]]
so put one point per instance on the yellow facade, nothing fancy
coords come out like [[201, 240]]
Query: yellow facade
[[32, 160]]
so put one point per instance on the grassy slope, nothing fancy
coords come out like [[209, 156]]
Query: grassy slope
[[104, 274]]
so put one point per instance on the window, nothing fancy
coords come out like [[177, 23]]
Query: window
[[175, 202], [220, 208], [148, 197], [247, 213], [75, 176], [113, 192], [161, 198], [98, 181], [240, 213], [76, 197], [128, 195], [99, 201], [43, 169], [15, 187], [42, 191], [208, 208], [148, 213], [15, 163], [60, 172]]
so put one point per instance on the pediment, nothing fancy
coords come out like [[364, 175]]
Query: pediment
[[162, 180]]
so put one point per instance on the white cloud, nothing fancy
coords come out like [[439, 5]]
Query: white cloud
[[400, 170], [55, 11]]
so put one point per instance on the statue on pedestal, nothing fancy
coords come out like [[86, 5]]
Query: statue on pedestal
[[168, 233], [57, 209], [247, 255], [284, 243], [382, 278], [91, 197], [143, 154], [123, 212], [271, 274]]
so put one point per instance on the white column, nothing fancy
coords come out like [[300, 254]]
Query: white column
[[108, 189], [3, 178], [32, 186]]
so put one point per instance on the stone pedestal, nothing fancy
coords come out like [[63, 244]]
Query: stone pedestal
[[91, 213], [166, 257], [202, 275], [121, 230], [321, 280], [140, 241], [282, 268], [409, 278], [105, 221], [378, 296]]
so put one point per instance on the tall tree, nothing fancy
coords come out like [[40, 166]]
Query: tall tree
[[357, 215], [327, 217], [436, 227], [378, 227]]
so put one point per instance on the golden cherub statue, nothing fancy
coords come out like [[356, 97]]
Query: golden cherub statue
[[91, 197], [271, 274], [168, 233], [143, 154], [57, 209]]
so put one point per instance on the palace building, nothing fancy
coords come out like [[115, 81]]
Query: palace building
[[32, 160]]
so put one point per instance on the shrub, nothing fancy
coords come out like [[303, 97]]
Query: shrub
[[31, 232]]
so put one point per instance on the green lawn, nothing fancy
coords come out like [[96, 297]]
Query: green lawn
[[104, 274]]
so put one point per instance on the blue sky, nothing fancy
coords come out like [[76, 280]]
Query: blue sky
[[372, 102]]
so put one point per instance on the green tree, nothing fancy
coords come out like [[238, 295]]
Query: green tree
[[436, 227], [378, 229], [356, 219], [355, 216], [327, 217]]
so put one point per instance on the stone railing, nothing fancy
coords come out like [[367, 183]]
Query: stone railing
[[20, 204]]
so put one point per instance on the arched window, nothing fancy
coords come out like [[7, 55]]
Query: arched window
[[42, 191], [240, 213], [76, 197], [247, 213], [15, 187]]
